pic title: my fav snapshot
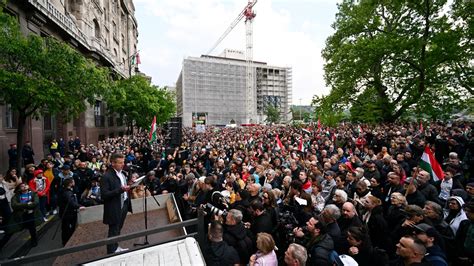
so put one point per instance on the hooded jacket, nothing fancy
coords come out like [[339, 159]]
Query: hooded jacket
[[461, 216]]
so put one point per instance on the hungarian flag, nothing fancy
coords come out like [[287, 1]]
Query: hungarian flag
[[300, 145], [152, 135], [136, 59], [430, 165], [279, 144], [319, 124]]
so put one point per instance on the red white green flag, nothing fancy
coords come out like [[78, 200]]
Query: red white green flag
[[300, 145], [152, 135], [136, 59], [430, 165], [279, 144]]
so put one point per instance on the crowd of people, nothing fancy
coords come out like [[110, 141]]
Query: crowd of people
[[283, 195]]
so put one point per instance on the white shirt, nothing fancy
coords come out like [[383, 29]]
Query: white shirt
[[123, 181]]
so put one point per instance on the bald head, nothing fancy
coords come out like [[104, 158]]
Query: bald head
[[348, 210]]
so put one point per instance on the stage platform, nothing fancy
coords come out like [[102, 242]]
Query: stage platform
[[90, 228]]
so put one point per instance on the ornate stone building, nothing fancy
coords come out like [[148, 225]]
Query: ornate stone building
[[103, 30]]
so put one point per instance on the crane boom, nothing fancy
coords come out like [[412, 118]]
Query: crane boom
[[232, 25]]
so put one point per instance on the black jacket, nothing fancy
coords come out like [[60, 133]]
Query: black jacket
[[378, 229], [429, 191], [220, 253], [68, 204], [111, 191], [262, 223], [416, 198], [320, 250], [240, 238]]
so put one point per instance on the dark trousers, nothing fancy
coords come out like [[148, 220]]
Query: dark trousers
[[68, 226], [29, 223], [114, 229], [42, 205]]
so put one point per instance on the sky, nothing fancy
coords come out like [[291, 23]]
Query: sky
[[286, 33]]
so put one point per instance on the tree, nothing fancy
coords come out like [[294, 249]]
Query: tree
[[395, 56], [138, 101], [273, 114], [41, 76]]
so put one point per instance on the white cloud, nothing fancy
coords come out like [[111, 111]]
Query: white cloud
[[190, 28]]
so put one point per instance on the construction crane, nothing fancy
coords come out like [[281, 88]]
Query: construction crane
[[247, 12]]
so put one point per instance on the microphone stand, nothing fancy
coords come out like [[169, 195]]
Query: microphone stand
[[145, 213]]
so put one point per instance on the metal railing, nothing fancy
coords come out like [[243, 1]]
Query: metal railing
[[200, 237]]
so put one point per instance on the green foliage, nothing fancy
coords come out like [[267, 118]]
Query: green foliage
[[326, 112], [41, 76], [138, 101], [386, 57], [273, 114]]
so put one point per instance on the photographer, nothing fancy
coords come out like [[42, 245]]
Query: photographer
[[237, 236]]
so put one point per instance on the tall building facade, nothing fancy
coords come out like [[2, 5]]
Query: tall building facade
[[102, 30], [212, 90]]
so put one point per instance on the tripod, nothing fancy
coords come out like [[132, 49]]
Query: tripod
[[145, 213]]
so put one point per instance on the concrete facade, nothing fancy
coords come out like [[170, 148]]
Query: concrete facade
[[214, 88], [103, 30]]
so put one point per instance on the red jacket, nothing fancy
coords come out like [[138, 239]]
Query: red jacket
[[45, 191]]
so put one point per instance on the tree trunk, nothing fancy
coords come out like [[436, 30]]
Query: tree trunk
[[19, 141]]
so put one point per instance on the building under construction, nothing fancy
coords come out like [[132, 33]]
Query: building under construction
[[212, 90]]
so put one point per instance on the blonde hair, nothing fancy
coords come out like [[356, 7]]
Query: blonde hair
[[376, 201], [265, 243]]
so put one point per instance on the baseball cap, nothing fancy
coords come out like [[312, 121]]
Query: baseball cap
[[331, 173], [429, 230]]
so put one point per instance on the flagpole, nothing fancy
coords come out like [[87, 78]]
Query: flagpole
[[130, 63]]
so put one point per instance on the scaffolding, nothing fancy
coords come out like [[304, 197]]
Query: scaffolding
[[217, 88]]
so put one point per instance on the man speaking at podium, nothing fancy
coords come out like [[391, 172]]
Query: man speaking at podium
[[115, 193]]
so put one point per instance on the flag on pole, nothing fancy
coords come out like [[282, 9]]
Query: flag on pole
[[136, 59], [279, 144], [152, 135], [421, 126], [306, 131], [300, 145], [430, 165], [319, 124]]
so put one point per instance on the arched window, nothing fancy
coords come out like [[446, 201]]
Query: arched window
[[96, 29]]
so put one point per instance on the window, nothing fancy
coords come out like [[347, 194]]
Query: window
[[98, 111], [114, 30], [96, 29], [98, 108], [111, 121], [48, 122], [11, 117]]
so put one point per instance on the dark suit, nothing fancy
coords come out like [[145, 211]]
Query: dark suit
[[114, 214]]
